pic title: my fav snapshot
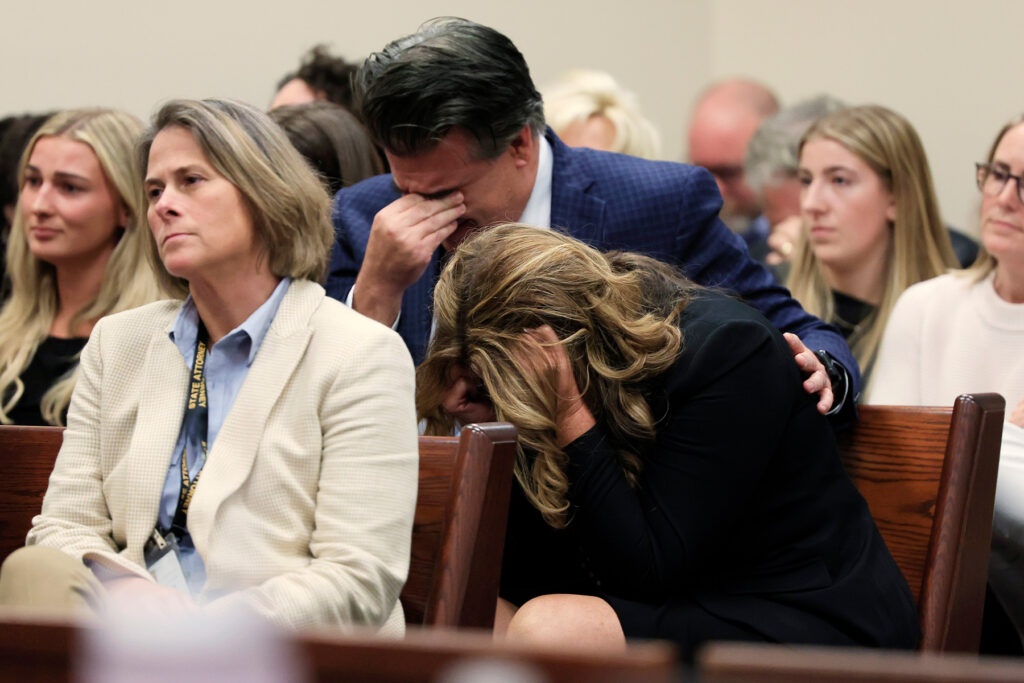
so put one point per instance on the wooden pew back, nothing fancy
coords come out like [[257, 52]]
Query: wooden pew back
[[46, 648], [929, 477], [459, 529], [761, 663]]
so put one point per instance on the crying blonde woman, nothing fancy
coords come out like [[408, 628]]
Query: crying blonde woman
[[674, 480]]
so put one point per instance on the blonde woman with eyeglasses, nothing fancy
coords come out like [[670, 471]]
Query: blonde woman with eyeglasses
[[964, 332]]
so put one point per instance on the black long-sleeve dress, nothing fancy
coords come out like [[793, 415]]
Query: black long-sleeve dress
[[744, 525]]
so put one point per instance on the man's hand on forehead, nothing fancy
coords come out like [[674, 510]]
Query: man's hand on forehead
[[403, 238]]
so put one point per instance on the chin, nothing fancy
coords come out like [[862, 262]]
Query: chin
[[177, 267], [42, 253], [1002, 246]]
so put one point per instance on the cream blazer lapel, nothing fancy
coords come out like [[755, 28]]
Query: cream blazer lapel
[[161, 407], [231, 459]]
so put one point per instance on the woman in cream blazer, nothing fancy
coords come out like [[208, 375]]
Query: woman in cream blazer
[[304, 507]]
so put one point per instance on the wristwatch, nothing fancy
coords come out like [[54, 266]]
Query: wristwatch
[[836, 375]]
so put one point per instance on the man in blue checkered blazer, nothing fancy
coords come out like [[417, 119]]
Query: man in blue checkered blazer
[[463, 129]]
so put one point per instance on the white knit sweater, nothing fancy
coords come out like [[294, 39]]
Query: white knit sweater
[[949, 336]]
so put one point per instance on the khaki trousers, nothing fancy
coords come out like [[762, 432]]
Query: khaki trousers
[[40, 577]]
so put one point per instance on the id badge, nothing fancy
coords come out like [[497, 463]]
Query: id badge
[[162, 561]]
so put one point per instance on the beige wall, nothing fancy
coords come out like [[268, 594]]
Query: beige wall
[[135, 54], [948, 65]]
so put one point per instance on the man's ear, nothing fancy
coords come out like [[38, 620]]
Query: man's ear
[[523, 147]]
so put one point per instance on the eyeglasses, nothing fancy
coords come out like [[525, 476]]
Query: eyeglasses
[[992, 180]]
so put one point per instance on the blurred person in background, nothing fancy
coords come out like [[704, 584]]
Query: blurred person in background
[[589, 108], [772, 166], [15, 133], [772, 170], [871, 224], [724, 119], [321, 76], [332, 140]]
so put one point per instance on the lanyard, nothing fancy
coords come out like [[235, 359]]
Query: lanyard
[[195, 425]]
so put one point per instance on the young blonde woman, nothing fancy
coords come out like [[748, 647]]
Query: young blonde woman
[[871, 223], [675, 481], [76, 253]]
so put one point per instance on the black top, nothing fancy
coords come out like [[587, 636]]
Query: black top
[[964, 247], [53, 358], [743, 512], [849, 312]]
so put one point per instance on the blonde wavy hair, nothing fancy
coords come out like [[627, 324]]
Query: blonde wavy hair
[[26, 318], [985, 262], [583, 93], [919, 249], [291, 210], [616, 315]]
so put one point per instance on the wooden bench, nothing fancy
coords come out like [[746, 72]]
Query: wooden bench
[[458, 532], [27, 454], [40, 648], [929, 476], [761, 663]]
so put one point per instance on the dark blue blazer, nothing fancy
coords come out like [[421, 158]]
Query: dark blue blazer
[[611, 201]]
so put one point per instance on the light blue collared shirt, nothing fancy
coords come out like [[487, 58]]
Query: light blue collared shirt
[[227, 366]]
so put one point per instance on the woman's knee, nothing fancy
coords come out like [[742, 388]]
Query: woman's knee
[[34, 562], [567, 620], [38, 576]]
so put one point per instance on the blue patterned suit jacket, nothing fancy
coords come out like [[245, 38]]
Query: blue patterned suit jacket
[[611, 201]]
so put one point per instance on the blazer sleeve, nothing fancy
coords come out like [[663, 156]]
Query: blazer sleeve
[[345, 260], [365, 502], [714, 256], [74, 516], [731, 402], [352, 213], [896, 378]]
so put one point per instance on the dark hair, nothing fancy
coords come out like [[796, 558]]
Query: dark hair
[[15, 132], [451, 73], [325, 73], [333, 141]]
